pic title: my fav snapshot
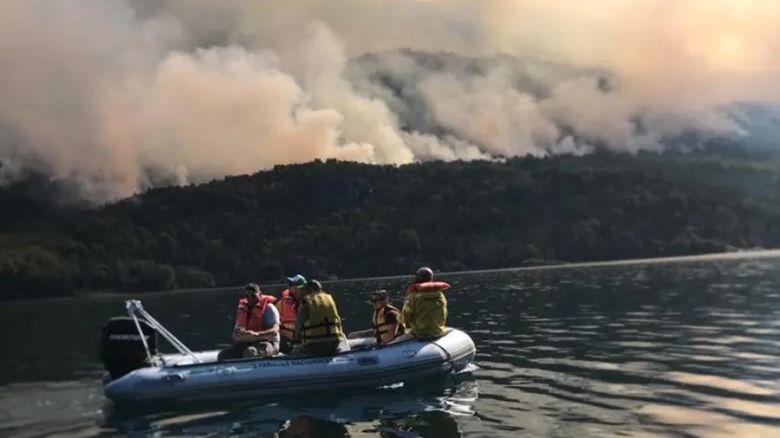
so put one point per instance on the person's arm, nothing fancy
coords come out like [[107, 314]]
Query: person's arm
[[240, 332], [270, 320], [268, 334], [392, 320], [303, 316], [407, 312], [244, 335], [361, 334]]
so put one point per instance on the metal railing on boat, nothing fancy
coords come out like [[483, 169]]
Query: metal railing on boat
[[135, 309]]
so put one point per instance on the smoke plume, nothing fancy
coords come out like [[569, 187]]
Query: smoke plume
[[118, 95]]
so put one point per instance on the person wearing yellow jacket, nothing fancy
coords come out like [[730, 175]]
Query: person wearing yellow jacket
[[425, 309], [318, 324]]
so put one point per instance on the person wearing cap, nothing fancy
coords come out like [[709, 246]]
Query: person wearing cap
[[424, 313], [288, 306], [319, 323], [386, 320], [256, 331]]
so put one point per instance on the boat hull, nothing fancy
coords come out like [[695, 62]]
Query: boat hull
[[183, 381]]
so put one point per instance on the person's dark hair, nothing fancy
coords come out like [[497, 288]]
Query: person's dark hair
[[380, 294], [313, 286]]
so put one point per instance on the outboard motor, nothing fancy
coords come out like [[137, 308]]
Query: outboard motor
[[121, 348]]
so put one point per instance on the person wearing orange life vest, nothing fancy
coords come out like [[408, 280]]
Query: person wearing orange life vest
[[425, 308], [288, 306], [386, 320], [256, 331]]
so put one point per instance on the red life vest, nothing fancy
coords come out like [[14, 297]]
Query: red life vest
[[252, 319], [428, 286], [288, 313]]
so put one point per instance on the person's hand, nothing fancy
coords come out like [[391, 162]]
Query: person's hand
[[360, 334], [242, 331], [265, 336], [238, 331]]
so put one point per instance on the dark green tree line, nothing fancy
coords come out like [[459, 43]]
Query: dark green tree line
[[336, 219]]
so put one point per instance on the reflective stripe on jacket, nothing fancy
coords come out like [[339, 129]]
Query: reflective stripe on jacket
[[382, 327], [323, 323]]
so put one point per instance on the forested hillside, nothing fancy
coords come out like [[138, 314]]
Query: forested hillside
[[342, 219]]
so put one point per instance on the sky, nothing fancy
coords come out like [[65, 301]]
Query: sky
[[117, 96]]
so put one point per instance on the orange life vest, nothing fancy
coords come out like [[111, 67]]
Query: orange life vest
[[252, 319], [288, 313], [428, 286]]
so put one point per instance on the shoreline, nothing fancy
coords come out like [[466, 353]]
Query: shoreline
[[734, 255]]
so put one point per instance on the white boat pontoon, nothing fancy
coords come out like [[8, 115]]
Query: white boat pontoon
[[138, 373]]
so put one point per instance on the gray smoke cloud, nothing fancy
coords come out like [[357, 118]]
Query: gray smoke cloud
[[118, 96]]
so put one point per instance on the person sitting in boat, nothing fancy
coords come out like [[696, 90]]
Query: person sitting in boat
[[425, 308], [386, 319], [288, 306], [256, 333], [318, 323]]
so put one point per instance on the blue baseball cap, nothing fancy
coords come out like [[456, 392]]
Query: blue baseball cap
[[297, 280]]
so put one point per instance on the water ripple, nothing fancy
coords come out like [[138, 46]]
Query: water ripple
[[674, 349]]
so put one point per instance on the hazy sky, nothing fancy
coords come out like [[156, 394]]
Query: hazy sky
[[108, 93]]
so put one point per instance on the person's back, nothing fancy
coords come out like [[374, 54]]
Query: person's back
[[425, 309], [319, 323], [288, 311]]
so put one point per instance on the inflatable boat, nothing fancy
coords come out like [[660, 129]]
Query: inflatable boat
[[136, 372]]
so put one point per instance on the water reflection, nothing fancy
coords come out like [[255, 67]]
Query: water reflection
[[662, 349], [392, 412], [307, 427]]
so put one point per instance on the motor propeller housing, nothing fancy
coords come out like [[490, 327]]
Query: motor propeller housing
[[121, 348]]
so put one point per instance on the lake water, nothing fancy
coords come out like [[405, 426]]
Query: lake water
[[660, 349]]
